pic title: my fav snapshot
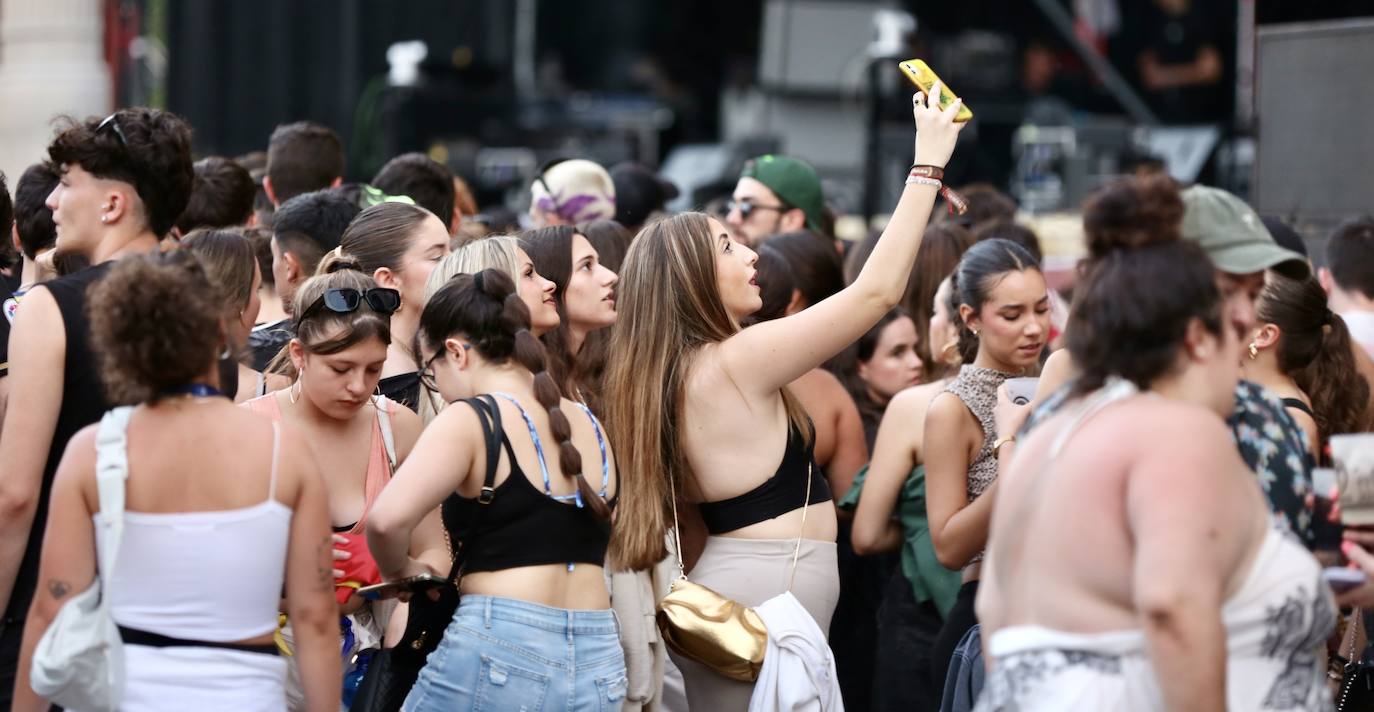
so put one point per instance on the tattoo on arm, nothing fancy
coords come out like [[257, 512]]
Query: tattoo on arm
[[59, 589]]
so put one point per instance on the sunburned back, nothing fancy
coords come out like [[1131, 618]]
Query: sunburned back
[[1076, 574]]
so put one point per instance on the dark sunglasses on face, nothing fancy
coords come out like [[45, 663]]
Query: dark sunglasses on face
[[381, 300], [747, 208]]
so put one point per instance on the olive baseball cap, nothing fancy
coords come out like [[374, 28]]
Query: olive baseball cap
[[1233, 235], [795, 182]]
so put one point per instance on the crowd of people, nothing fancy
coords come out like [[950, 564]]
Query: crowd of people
[[369, 453]]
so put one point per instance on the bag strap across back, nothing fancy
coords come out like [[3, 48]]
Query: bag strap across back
[[111, 476], [796, 548]]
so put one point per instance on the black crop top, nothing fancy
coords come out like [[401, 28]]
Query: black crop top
[[782, 493], [518, 525]]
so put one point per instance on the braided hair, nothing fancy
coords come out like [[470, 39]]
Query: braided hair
[[487, 308]]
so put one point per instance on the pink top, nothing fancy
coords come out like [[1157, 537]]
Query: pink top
[[378, 464]]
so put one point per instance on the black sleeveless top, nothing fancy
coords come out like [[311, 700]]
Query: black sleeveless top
[[782, 493], [404, 388], [518, 525], [83, 403]]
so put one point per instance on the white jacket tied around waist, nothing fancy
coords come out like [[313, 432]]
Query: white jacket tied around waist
[[798, 668]]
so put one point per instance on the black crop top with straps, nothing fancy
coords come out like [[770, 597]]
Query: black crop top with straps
[[514, 524], [782, 493]]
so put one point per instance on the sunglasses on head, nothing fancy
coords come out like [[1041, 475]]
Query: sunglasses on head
[[111, 123], [381, 300]]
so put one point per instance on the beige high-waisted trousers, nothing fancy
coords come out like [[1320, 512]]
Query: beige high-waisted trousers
[[752, 571]]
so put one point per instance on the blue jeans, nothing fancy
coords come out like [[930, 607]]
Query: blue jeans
[[504, 654]]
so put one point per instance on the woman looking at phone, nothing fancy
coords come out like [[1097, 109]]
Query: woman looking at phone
[[1111, 570], [343, 327], [209, 531], [533, 629], [1004, 322], [722, 430]]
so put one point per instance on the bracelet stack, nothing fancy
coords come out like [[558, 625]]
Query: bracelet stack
[[934, 176]]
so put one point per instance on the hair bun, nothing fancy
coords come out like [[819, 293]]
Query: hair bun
[[1132, 214], [337, 260]]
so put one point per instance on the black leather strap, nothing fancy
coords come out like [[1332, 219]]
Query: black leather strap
[[134, 636]]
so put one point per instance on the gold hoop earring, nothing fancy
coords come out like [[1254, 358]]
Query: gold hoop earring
[[1254, 351], [293, 393]]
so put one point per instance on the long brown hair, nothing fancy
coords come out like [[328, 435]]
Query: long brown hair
[[668, 308], [941, 248], [487, 309], [1315, 351]]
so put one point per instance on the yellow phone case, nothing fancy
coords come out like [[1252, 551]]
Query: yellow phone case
[[924, 78]]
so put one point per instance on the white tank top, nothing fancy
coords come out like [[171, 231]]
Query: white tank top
[[213, 576], [1276, 625]]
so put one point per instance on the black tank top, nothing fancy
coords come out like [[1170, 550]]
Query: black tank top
[[782, 493], [519, 525], [404, 388], [83, 403]]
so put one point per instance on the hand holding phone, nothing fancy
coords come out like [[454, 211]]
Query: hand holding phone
[[1022, 390], [392, 589], [1342, 579], [925, 79]]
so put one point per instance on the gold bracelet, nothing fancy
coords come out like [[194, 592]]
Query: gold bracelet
[[1002, 441]]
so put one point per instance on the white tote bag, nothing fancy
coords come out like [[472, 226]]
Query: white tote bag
[[79, 662]]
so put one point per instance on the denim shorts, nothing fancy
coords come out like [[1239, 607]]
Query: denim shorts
[[504, 654]]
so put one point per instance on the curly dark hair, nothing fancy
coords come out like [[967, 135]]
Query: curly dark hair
[[149, 149], [1141, 285], [155, 325]]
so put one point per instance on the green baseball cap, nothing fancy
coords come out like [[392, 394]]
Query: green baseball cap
[[1234, 236], [795, 182]]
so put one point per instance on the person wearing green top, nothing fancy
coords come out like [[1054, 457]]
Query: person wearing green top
[[888, 500]]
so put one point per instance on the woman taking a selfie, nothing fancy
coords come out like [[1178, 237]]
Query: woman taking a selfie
[[722, 430]]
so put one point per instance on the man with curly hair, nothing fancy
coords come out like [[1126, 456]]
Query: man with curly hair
[[124, 180]]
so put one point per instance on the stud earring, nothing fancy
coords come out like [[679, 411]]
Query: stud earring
[[1254, 351], [104, 218], [226, 354]]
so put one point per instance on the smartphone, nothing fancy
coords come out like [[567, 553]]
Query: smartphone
[[924, 78], [1326, 534], [1343, 579], [1022, 390], [389, 590]]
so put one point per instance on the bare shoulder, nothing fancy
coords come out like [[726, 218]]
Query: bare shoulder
[[913, 402]]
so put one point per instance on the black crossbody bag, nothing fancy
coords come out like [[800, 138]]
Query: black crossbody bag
[[393, 671]]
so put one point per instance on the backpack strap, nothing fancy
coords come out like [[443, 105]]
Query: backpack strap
[[494, 435]]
